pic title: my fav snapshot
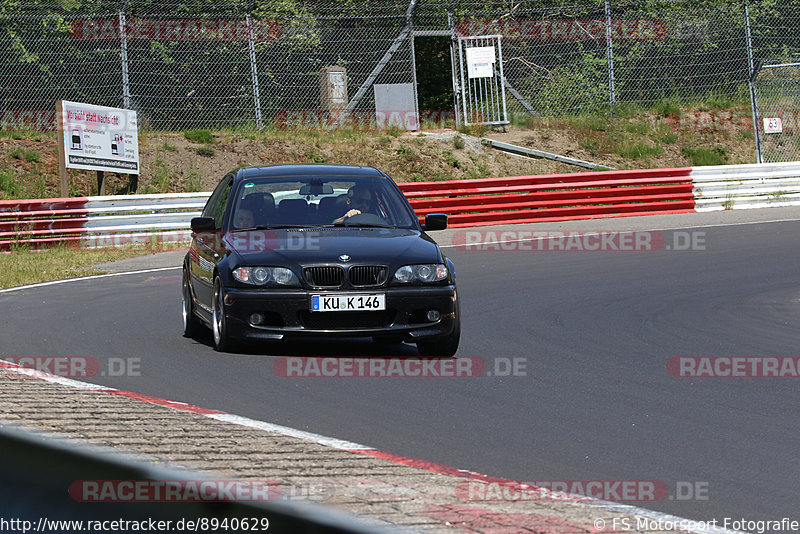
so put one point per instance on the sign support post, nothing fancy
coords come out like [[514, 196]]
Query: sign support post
[[62, 160]]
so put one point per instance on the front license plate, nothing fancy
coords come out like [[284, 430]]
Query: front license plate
[[323, 303]]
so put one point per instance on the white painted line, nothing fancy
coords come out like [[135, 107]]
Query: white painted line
[[287, 431], [92, 277]]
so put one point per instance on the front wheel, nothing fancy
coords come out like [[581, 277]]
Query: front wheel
[[219, 323]]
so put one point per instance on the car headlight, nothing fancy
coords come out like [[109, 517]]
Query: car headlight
[[261, 276], [428, 272]]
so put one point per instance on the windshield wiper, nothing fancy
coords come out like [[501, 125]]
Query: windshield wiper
[[273, 227], [365, 225]]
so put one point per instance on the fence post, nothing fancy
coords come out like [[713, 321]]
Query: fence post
[[752, 72], [610, 55], [451, 25], [254, 71], [410, 23], [123, 39]]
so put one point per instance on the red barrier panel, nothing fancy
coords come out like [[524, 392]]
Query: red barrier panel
[[23, 221], [523, 199], [10, 208], [29, 225], [681, 173], [678, 190]]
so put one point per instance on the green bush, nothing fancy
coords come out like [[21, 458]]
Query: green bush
[[199, 136], [666, 107], [8, 184], [706, 156], [451, 159], [30, 156], [205, 150], [638, 150]]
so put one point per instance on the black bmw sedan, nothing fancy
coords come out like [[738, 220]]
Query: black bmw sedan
[[285, 251]]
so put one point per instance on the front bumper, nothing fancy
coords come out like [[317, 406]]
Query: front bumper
[[287, 314]]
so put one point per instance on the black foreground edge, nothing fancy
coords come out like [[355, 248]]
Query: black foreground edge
[[290, 251]]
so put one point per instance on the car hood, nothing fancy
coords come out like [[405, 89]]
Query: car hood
[[301, 247]]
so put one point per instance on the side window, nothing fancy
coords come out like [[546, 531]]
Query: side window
[[212, 200], [219, 209], [216, 203]]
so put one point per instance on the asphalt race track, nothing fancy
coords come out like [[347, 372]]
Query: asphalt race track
[[595, 330]]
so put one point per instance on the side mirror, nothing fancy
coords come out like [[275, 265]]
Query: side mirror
[[435, 221], [203, 224]]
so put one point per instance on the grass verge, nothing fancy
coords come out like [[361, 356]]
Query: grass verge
[[24, 266]]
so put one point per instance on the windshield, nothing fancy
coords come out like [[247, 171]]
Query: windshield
[[308, 201]]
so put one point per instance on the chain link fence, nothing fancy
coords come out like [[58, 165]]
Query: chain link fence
[[262, 64]]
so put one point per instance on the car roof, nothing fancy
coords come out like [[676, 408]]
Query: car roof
[[307, 169]]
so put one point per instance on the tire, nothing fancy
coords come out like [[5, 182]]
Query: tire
[[219, 323], [191, 324], [445, 347]]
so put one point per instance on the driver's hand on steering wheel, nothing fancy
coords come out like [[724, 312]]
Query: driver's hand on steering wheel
[[347, 215]]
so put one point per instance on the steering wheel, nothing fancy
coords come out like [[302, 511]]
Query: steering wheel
[[365, 218]]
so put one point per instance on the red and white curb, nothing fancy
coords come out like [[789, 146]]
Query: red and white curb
[[348, 446]]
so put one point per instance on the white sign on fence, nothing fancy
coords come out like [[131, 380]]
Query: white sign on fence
[[99, 138], [480, 61], [773, 125]]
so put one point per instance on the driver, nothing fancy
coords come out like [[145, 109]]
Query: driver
[[244, 218], [359, 200]]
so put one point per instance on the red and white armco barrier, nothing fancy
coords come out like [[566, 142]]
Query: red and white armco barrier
[[98, 221], [120, 220]]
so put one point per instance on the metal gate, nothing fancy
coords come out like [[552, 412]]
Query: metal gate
[[480, 88], [777, 103]]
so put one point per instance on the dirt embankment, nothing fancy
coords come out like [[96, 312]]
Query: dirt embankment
[[171, 162]]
